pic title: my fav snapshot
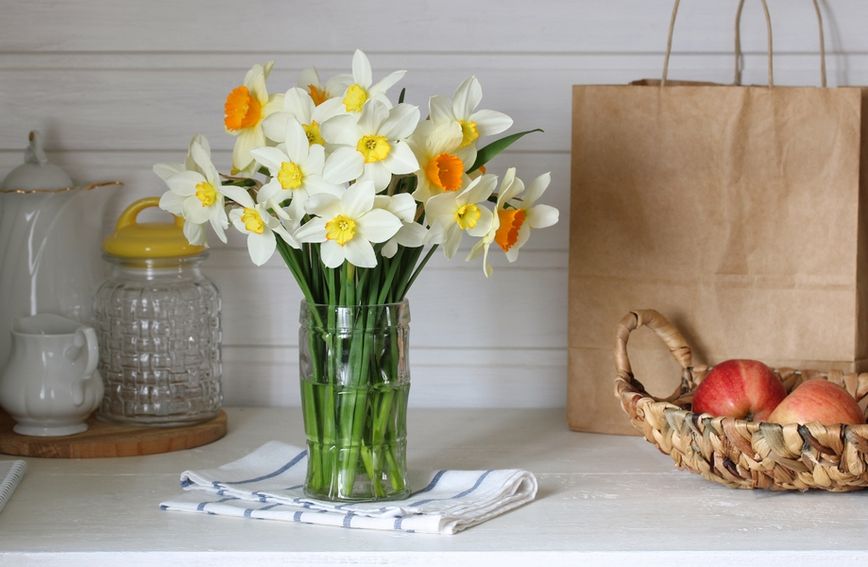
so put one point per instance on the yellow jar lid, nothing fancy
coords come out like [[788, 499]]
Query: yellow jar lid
[[133, 239]]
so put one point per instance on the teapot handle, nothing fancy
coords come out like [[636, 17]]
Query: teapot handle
[[91, 351]]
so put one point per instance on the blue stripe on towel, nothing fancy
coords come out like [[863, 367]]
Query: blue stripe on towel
[[297, 516], [430, 486], [348, 519], [201, 506], [272, 474], [460, 494]]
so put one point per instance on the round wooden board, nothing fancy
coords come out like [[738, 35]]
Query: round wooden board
[[110, 439]]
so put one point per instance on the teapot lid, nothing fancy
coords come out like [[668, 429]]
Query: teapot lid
[[36, 173], [133, 239]]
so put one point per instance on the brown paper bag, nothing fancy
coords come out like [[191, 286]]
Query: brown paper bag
[[738, 212]]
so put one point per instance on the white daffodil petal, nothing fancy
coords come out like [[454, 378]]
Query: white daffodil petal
[[439, 208], [360, 253], [403, 205], [388, 81], [362, 69], [255, 82], [467, 97], [194, 233], [273, 193], [411, 235], [324, 205], [166, 170], [342, 130], [274, 126], [453, 240], [307, 77], [440, 109], [483, 224], [219, 226], [535, 189], [194, 211], [200, 154], [184, 183], [490, 122], [443, 137], [314, 184], [172, 202], [401, 159], [401, 122], [343, 165], [296, 143], [237, 194], [377, 174], [328, 109], [298, 103], [312, 231], [246, 140], [378, 225], [479, 189], [261, 247], [389, 249], [286, 236], [542, 216], [372, 117], [271, 158], [314, 162], [332, 253], [358, 199]]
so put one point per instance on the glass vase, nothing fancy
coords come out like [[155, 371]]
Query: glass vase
[[355, 380]]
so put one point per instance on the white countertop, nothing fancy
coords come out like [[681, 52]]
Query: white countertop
[[603, 500]]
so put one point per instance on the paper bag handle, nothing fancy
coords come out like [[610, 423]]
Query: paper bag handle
[[670, 336], [738, 53]]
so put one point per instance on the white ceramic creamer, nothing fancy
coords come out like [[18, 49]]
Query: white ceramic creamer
[[50, 385]]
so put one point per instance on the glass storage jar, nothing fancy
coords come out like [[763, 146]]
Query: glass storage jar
[[158, 324]]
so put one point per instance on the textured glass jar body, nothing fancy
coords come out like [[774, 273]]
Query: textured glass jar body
[[158, 324], [355, 380]]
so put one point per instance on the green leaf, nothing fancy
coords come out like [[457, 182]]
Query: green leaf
[[401, 96], [484, 155]]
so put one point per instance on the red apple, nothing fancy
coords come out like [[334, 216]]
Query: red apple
[[820, 401], [745, 389]]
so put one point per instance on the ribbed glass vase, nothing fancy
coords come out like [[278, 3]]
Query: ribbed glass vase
[[355, 380]]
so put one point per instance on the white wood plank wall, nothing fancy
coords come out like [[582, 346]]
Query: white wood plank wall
[[116, 85]]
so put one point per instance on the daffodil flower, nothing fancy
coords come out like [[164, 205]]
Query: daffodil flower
[[411, 234], [320, 92], [360, 88], [461, 109], [510, 186], [253, 219], [454, 213], [194, 192], [299, 105], [347, 226], [442, 160], [522, 215], [378, 136], [299, 169], [247, 105]]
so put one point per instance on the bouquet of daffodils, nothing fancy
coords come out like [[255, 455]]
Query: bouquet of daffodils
[[355, 192]]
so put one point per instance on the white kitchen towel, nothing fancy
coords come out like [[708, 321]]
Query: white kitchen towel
[[268, 484], [11, 473]]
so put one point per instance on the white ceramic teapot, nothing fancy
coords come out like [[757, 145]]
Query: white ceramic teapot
[[51, 385], [50, 232]]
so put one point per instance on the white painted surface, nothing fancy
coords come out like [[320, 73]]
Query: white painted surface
[[603, 500], [116, 86]]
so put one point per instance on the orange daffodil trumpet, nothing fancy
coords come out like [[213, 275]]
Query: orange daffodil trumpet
[[246, 106], [338, 172]]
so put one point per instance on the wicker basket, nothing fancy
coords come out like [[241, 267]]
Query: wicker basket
[[737, 452]]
